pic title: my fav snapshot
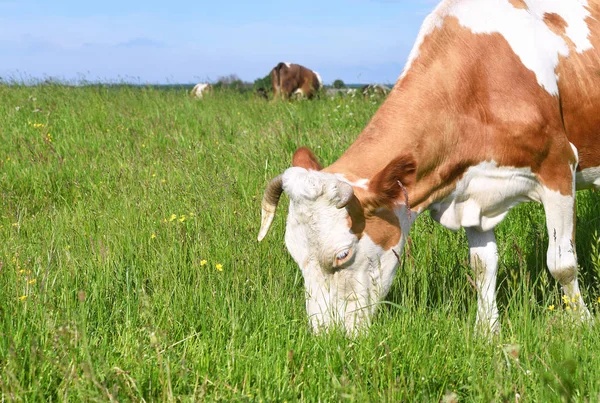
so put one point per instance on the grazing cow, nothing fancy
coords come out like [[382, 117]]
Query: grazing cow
[[373, 90], [498, 104], [261, 93], [200, 90], [294, 80]]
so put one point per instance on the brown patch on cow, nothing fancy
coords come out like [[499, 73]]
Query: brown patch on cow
[[356, 217], [383, 228], [518, 4], [304, 158], [556, 23], [467, 98], [579, 87], [381, 225], [287, 80]]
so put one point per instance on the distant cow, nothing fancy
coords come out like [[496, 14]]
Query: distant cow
[[261, 93], [372, 90], [292, 79], [200, 90]]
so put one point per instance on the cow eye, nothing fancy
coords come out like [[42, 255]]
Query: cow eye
[[342, 257]]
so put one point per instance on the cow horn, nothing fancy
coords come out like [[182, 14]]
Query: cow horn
[[269, 205], [346, 193]]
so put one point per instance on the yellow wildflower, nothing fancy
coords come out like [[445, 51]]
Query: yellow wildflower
[[219, 267], [153, 175], [152, 236], [20, 271], [565, 299], [202, 262], [551, 307], [32, 281], [173, 217], [575, 298], [22, 297], [182, 219], [163, 180], [568, 308], [599, 300]]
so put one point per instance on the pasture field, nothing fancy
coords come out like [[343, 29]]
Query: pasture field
[[130, 270]]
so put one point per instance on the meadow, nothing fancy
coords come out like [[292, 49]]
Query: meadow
[[130, 270]]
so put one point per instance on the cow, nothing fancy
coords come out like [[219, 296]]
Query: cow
[[498, 104], [261, 93], [294, 80], [200, 90], [374, 90]]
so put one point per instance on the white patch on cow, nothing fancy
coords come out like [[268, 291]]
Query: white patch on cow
[[361, 183], [316, 231], [588, 178], [288, 65], [484, 195], [347, 297], [562, 256], [319, 79], [573, 12], [524, 29], [528, 36]]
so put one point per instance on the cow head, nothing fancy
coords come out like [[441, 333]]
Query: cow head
[[346, 248]]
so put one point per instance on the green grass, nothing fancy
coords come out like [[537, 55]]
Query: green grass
[[103, 296]]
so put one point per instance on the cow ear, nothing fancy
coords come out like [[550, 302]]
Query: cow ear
[[389, 184], [304, 158]]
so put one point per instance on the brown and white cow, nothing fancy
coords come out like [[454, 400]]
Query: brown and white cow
[[498, 104], [200, 90], [294, 80]]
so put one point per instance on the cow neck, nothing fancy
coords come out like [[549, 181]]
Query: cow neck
[[407, 123]]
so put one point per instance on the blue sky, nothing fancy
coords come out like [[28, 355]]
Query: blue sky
[[185, 41]]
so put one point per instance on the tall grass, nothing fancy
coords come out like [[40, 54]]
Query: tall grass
[[118, 205]]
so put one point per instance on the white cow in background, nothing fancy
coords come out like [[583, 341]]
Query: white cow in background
[[200, 90]]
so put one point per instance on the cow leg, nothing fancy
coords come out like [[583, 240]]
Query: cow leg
[[483, 255], [562, 256]]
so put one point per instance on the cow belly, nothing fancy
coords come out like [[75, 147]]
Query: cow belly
[[588, 178], [484, 195]]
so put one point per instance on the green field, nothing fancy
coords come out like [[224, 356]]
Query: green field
[[130, 270]]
